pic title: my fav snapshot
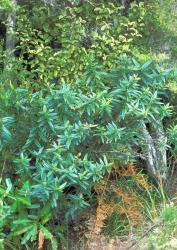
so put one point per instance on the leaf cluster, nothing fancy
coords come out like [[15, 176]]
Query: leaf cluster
[[59, 44]]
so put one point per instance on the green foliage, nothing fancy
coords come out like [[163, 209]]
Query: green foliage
[[160, 20], [159, 34], [172, 135], [174, 51], [55, 142], [78, 33], [6, 5], [160, 31], [164, 236]]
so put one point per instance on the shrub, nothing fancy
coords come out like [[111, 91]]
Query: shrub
[[55, 142], [59, 44]]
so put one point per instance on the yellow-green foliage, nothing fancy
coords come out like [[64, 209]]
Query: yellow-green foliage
[[160, 24], [5, 4], [90, 31]]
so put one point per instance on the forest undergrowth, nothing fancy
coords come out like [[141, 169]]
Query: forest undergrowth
[[88, 132]]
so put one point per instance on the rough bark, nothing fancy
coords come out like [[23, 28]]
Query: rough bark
[[160, 141], [155, 154]]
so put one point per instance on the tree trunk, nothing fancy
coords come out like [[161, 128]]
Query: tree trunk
[[155, 151], [10, 32]]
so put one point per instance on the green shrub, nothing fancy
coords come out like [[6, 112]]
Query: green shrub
[[55, 142], [77, 33]]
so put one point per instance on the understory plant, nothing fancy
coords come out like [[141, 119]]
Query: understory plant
[[51, 40], [58, 142], [164, 236]]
